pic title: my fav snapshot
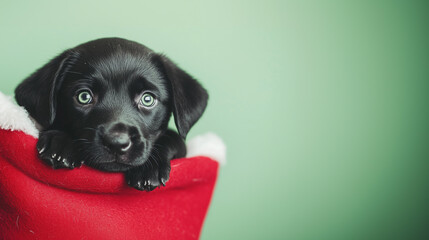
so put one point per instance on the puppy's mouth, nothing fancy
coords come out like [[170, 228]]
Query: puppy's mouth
[[99, 156], [129, 156]]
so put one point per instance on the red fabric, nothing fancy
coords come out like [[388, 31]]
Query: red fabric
[[37, 202]]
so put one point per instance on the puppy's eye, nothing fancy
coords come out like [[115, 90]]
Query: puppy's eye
[[84, 97], [147, 100]]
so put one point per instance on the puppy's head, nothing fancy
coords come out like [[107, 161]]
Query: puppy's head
[[114, 97]]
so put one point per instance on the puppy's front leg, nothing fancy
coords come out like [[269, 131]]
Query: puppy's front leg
[[55, 149], [156, 170]]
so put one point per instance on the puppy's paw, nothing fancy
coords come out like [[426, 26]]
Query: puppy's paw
[[147, 179], [55, 149]]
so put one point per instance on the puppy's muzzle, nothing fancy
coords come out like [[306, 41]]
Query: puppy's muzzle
[[117, 138]]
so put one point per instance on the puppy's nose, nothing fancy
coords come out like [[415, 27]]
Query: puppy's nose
[[118, 141]]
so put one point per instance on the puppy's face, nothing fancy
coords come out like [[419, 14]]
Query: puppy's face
[[115, 104], [114, 98]]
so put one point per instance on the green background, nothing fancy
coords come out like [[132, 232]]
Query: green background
[[323, 105]]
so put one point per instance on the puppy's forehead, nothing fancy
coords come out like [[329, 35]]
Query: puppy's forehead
[[117, 67], [117, 60]]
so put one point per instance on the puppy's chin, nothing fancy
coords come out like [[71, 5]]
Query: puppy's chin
[[115, 163], [110, 166]]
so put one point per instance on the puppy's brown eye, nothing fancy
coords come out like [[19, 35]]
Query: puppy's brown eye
[[84, 97], [147, 100]]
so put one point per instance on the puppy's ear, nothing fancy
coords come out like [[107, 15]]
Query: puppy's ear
[[38, 93], [189, 97]]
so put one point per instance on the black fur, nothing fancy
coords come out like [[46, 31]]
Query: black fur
[[115, 131]]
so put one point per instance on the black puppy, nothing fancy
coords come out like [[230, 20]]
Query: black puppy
[[107, 103]]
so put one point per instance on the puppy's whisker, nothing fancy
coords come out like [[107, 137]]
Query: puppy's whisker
[[155, 151], [73, 72], [149, 163], [81, 139]]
